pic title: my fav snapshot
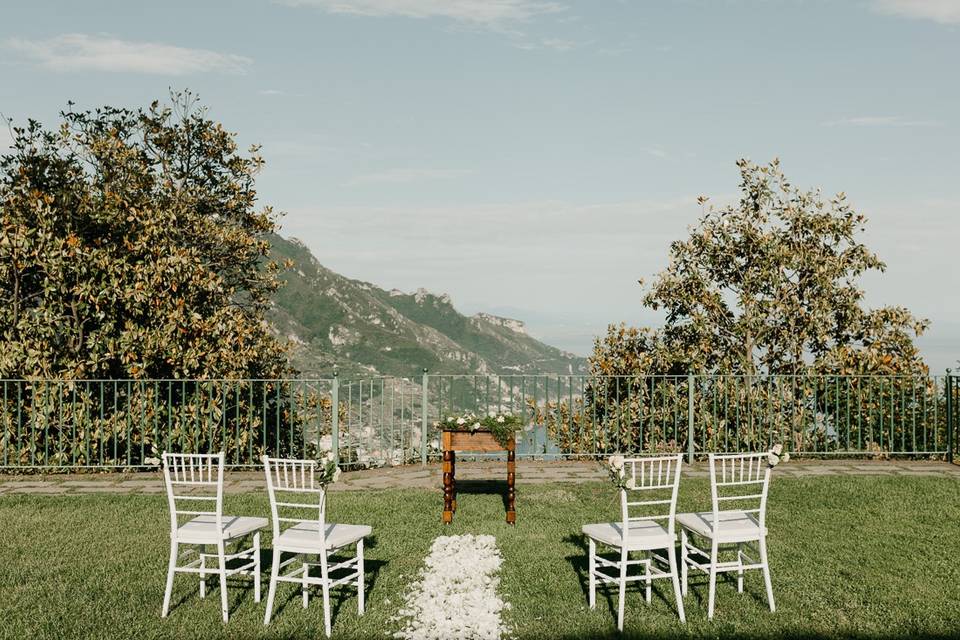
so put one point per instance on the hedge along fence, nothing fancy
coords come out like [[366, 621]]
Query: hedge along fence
[[878, 416], [387, 420], [129, 423]]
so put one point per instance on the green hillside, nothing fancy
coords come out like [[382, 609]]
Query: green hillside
[[356, 327]]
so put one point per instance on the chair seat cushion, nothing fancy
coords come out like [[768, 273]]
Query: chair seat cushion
[[645, 534], [203, 529], [304, 537], [732, 525]]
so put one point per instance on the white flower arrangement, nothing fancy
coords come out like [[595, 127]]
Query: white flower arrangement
[[617, 471], [776, 455], [327, 471], [503, 426]]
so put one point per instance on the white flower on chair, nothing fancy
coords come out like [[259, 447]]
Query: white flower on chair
[[616, 471], [616, 462], [776, 455]]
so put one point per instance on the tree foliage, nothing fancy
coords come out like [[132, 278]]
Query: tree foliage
[[767, 285], [131, 246]]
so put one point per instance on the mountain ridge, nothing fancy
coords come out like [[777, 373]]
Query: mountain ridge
[[355, 327]]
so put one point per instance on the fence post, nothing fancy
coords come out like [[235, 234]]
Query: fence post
[[335, 417], [423, 419], [948, 388], [690, 434]]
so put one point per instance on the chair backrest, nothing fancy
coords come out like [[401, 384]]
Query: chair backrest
[[741, 478], [294, 478], [655, 483], [194, 481]]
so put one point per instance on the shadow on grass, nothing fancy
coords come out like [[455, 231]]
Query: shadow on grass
[[484, 487], [662, 588], [240, 587], [339, 595]]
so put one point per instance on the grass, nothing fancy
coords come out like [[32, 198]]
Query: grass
[[851, 557]]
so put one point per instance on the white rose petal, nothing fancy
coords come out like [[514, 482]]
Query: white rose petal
[[616, 462]]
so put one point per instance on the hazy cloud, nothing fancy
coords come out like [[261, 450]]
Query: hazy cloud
[[83, 52], [942, 11], [403, 176], [554, 44], [881, 121], [478, 12]]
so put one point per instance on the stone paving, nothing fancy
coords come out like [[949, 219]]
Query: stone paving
[[429, 477]]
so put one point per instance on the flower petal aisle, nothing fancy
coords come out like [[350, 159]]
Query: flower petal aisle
[[456, 594]]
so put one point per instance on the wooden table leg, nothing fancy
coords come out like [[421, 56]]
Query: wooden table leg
[[511, 481], [447, 486], [453, 479]]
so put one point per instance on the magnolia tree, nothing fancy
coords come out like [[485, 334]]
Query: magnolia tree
[[766, 286], [132, 247]]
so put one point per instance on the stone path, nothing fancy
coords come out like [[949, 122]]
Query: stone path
[[430, 477]]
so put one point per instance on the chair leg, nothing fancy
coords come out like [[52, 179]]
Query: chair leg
[[360, 578], [171, 569], [203, 574], [683, 562], [672, 557], [624, 556], [592, 595], [272, 588], [713, 579], [221, 556], [326, 592], [740, 570], [766, 572], [306, 587], [256, 567], [648, 594]]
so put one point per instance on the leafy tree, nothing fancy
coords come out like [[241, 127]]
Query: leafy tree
[[768, 285], [762, 288], [131, 246]]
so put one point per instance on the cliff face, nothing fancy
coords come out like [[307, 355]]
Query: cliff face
[[357, 327]]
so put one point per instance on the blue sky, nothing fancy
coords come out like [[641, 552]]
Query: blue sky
[[536, 157]]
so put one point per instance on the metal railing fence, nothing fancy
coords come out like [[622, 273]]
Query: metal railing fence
[[75, 424]]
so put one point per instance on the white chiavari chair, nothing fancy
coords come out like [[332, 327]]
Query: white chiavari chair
[[309, 536], [741, 479], [194, 485], [653, 484]]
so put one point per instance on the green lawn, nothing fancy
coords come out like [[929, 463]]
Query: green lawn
[[856, 557]]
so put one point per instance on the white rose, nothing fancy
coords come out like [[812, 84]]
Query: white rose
[[616, 462], [773, 459], [476, 425], [450, 419], [501, 419], [336, 474], [785, 457], [631, 483], [777, 448], [328, 457], [461, 421]]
